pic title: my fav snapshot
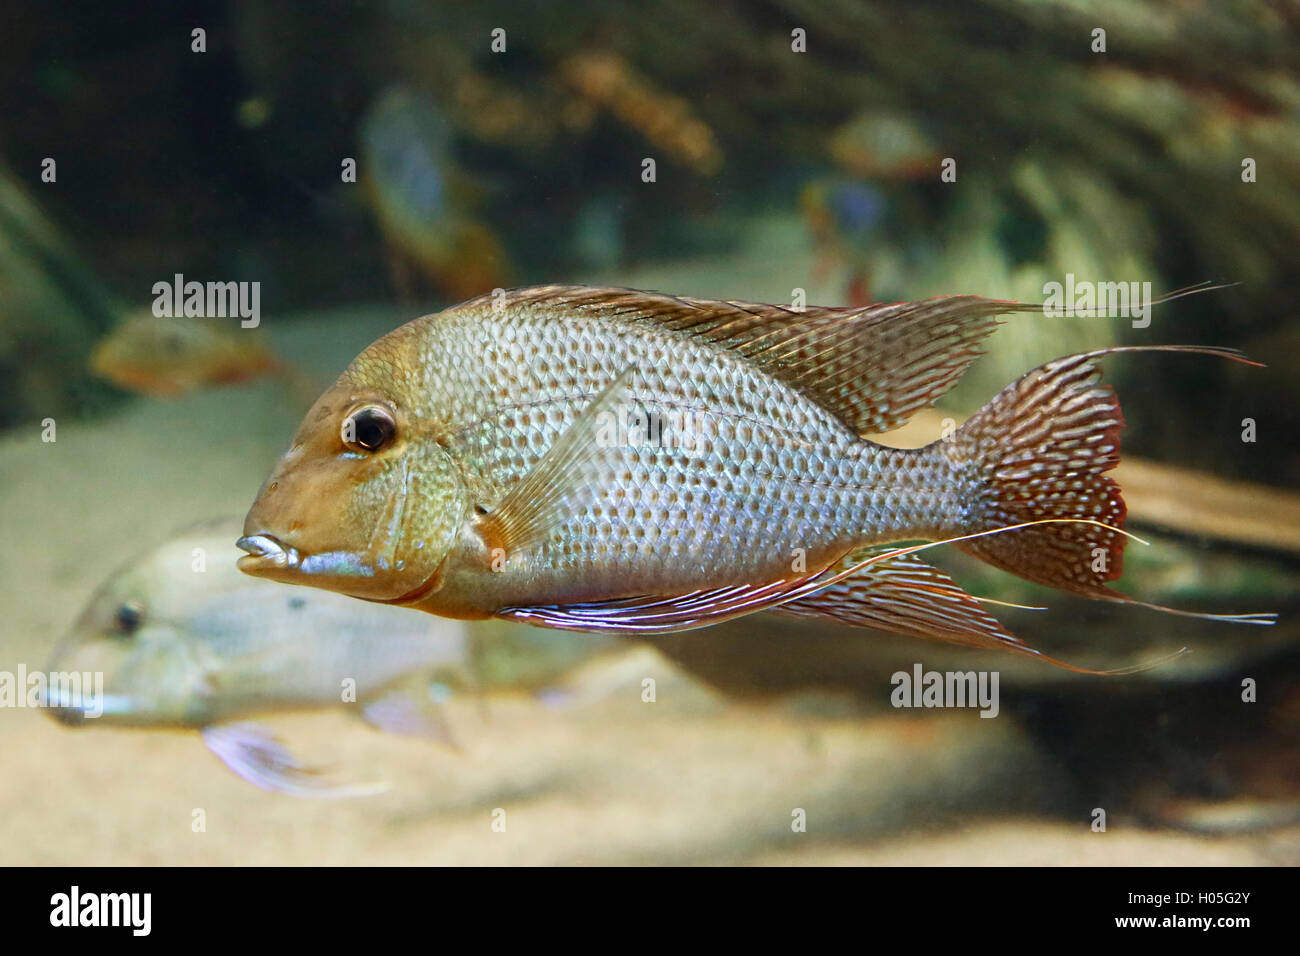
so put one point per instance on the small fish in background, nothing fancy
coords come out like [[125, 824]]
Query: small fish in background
[[885, 145], [165, 357], [881, 155], [423, 203], [846, 220], [596, 459], [206, 650]]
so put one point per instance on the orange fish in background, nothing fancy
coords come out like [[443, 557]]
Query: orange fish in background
[[165, 357], [613, 460]]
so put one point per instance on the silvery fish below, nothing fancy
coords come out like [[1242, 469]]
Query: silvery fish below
[[186, 642], [614, 460]]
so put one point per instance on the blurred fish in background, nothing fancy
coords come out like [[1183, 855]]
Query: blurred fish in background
[[423, 203], [166, 356], [845, 219], [187, 642], [862, 212], [883, 144]]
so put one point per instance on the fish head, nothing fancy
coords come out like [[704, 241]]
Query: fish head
[[366, 501], [129, 658]]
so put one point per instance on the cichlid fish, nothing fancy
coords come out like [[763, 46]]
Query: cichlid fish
[[169, 356], [206, 649], [613, 460]]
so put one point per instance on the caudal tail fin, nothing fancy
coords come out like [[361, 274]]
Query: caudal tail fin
[[1041, 449]]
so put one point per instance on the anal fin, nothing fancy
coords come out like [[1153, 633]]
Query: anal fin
[[891, 590], [904, 595]]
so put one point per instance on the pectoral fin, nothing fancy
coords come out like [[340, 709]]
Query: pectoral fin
[[562, 480], [399, 713], [256, 755]]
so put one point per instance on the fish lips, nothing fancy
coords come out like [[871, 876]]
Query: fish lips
[[270, 557], [266, 555]]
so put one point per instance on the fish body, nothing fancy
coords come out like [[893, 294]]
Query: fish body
[[166, 356], [184, 641], [605, 459], [747, 473]]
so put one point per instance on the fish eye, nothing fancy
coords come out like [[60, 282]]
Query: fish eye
[[127, 618], [369, 428]]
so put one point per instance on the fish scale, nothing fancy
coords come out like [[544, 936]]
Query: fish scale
[[781, 473]]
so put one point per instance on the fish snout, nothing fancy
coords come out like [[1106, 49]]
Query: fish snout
[[266, 553], [68, 716], [64, 707]]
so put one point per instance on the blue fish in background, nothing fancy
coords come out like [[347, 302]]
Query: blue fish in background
[[846, 219], [425, 205]]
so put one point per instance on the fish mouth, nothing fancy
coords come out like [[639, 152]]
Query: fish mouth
[[266, 553], [68, 716], [74, 710]]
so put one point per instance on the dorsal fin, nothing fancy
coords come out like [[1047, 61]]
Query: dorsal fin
[[871, 367]]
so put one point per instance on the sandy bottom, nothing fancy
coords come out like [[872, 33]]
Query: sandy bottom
[[618, 783], [694, 777]]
